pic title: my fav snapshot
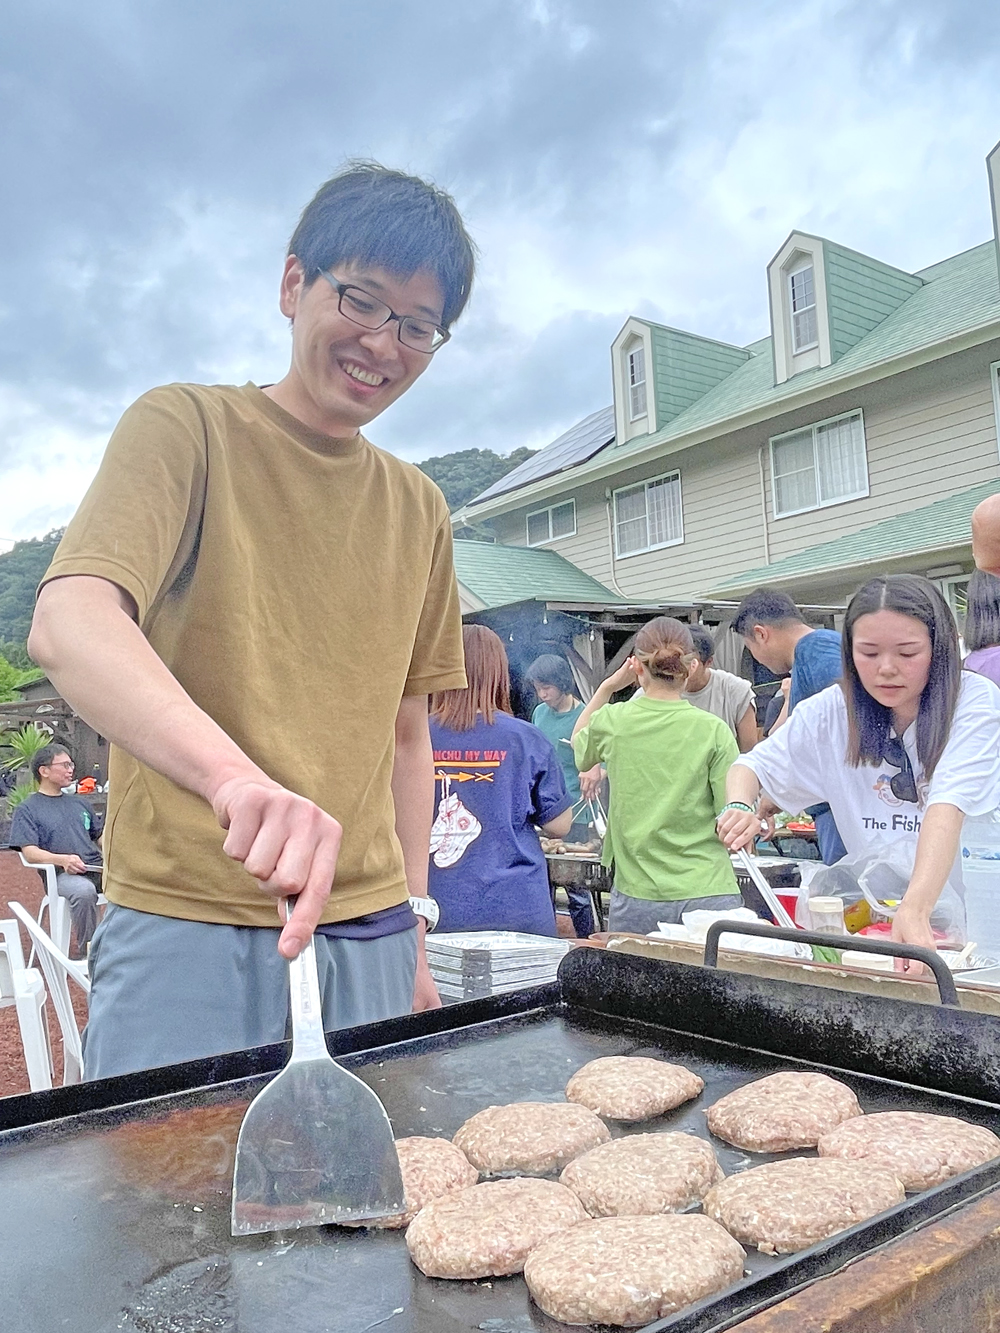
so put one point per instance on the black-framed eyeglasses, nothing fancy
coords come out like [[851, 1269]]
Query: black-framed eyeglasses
[[904, 785], [360, 307]]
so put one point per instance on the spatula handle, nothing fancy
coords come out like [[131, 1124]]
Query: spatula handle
[[308, 1041]]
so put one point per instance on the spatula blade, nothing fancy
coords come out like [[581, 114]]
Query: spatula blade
[[315, 1148]]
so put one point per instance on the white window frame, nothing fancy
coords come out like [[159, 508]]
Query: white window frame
[[656, 546], [636, 356], [792, 312], [558, 537], [995, 380], [821, 504]]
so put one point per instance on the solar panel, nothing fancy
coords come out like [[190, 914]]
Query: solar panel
[[578, 444]]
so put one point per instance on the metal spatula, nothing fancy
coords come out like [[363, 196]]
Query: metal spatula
[[315, 1145]]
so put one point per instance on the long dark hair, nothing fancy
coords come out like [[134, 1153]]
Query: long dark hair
[[868, 721], [489, 683], [982, 616]]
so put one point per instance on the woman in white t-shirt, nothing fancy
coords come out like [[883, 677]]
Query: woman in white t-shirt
[[902, 750]]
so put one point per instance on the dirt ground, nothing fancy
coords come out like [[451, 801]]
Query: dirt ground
[[26, 887]]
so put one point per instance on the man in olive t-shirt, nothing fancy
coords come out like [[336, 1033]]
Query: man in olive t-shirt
[[253, 603]]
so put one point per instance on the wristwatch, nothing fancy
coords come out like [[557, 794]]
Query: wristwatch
[[428, 909]]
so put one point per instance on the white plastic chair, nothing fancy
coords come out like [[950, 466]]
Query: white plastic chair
[[58, 970], [24, 988], [60, 922]]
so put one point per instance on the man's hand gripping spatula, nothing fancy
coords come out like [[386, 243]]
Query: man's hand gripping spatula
[[316, 1145]]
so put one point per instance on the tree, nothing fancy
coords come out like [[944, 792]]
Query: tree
[[464, 474], [21, 570], [11, 677]]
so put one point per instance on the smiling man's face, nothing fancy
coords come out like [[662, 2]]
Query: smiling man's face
[[343, 375]]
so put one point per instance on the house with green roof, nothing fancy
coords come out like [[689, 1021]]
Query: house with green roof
[[856, 438]]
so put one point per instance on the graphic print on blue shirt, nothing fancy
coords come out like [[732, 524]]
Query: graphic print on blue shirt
[[493, 783]]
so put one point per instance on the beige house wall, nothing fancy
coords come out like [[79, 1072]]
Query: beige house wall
[[929, 433]]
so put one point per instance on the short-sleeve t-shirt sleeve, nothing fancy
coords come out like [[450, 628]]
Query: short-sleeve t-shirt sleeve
[[24, 830], [438, 643], [548, 793], [138, 522]]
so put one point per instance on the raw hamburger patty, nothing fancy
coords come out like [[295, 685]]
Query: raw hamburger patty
[[782, 1111], [487, 1230], [782, 1207], [922, 1150], [629, 1270], [530, 1137], [645, 1173], [631, 1087], [429, 1167]]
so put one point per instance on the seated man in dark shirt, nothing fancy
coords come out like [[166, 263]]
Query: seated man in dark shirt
[[52, 828]]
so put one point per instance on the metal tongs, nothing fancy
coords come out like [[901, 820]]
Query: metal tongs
[[316, 1145]]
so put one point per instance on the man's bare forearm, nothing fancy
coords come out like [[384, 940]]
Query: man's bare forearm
[[413, 797], [100, 662], [85, 637], [413, 790]]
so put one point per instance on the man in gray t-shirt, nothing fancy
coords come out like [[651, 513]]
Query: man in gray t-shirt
[[720, 692], [53, 828]]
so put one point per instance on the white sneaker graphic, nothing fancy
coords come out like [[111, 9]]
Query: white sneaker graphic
[[454, 829]]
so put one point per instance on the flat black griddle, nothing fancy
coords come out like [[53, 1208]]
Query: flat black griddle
[[80, 1250]]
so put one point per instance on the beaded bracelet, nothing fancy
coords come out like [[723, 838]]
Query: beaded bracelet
[[737, 805]]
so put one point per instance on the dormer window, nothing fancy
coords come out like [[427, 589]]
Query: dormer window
[[802, 290], [637, 383]]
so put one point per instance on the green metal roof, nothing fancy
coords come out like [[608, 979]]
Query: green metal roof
[[501, 575], [934, 527], [861, 292], [956, 296], [686, 367]]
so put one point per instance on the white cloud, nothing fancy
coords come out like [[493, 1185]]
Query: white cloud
[[606, 167]]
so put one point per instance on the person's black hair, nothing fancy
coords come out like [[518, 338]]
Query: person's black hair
[[765, 606], [550, 669], [379, 218], [704, 644], [43, 758], [868, 722], [982, 614]]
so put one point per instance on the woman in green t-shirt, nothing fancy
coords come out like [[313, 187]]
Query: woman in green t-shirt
[[667, 763]]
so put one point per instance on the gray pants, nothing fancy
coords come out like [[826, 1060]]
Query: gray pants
[[641, 915], [165, 990], [81, 894]]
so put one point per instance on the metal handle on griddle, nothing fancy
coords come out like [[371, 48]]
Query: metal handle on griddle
[[930, 957]]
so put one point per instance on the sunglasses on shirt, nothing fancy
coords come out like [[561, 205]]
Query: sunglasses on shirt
[[904, 785]]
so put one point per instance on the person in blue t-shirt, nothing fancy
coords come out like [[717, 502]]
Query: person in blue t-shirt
[[497, 779], [771, 626]]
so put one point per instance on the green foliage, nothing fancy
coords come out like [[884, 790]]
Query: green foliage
[[11, 677], [25, 744], [20, 793], [463, 475], [21, 570]]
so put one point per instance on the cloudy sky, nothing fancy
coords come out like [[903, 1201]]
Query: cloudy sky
[[610, 159]]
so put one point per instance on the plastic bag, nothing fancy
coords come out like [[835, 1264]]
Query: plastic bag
[[882, 879]]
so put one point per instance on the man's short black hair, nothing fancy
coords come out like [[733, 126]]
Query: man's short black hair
[[765, 606], [551, 669], [704, 644], [379, 218], [43, 758]]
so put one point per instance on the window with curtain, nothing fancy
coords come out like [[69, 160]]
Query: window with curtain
[[802, 288], [637, 383], [546, 524], [648, 515], [820, 465]]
